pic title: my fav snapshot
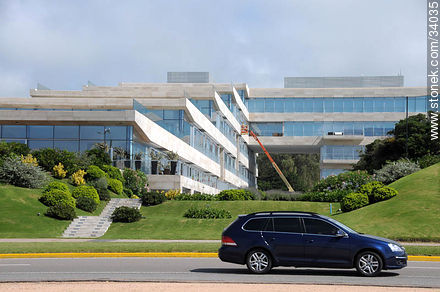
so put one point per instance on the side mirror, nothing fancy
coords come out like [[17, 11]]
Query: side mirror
[[340, 233]]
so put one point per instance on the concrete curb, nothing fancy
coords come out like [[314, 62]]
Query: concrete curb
[[149, 255], [111, 255]]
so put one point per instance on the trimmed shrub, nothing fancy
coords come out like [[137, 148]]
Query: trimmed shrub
[[136, 181], [101, 186], [115, 186], [94, 173], [61, 211], [14, 172], [55, 196], [58, 171], [127, 192], [48, 158], [382, 194], [395, 170], [207, 213], [195, 197], [86, 191], [9, 149], [126, 214], [57, 185], [354, 201], [86, 204], [370, 188], [77, 178], [113, 172], [172, 194], [152, 198], [428, 160], [98, 156], [235, 195]]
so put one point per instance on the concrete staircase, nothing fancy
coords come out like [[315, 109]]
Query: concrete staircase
[[96, 226]]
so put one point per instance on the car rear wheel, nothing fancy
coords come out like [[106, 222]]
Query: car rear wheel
[[369, 264], [259, 261]]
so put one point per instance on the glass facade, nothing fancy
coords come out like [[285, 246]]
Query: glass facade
[[376, 128], [71, 138], [229, 162], [337, 105], [325, 172], [339, 152]]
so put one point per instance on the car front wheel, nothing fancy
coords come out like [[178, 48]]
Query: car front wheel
[[369, 264], [259, 261]]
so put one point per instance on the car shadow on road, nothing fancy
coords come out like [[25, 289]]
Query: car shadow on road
[[304, 272]]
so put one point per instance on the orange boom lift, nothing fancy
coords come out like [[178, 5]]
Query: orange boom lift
[[245, 131]]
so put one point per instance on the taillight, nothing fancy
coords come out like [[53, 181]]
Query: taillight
[[226, 240]]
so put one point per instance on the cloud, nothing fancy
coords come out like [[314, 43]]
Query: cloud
[[62, 44]]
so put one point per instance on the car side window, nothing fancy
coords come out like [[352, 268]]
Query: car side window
[[316, 226], [256, 224], [285, 224]]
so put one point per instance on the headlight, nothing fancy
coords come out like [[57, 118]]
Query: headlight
[[395, 247]]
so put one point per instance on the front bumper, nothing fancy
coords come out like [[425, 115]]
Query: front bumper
[[396, 262]]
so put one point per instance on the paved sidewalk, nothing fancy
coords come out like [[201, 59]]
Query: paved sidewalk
[[154, 240]]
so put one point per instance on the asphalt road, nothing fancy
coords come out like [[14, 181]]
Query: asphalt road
[[417, 274]]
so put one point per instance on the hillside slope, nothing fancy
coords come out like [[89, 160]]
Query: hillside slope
[[413, 214]]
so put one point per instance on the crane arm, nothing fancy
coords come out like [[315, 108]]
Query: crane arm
[[280, 173]]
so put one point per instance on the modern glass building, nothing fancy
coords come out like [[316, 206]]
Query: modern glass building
[[201, 122]]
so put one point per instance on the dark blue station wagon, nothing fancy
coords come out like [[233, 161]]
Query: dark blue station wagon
[[302, 239]]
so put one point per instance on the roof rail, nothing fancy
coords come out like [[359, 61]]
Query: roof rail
[[283, 212]]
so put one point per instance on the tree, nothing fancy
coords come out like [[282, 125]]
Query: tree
[[391, 149], [301, 170]]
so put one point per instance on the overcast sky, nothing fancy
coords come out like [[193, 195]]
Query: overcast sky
[[62, 44]]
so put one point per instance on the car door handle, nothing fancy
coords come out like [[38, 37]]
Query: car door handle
[[310, 241]]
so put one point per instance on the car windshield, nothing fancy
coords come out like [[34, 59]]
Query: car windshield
[[340, 225]]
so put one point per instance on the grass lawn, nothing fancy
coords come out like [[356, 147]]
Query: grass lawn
[[44, 247], [166, 221], [413, 214], [19, 208]]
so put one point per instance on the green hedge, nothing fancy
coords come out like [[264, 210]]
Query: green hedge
[[86, 191], [86, 204], [126, 214], [113, 172], [207, 213], [195, 197], [383, 194], [235, 195], [94, 173], [354, 201], [61, 211], [115, 186], [152, 198], [54, 196], [57, 185]]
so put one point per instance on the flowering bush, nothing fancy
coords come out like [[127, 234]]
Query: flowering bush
[[58, 171], [29, 159], [172, 194], [78, 177], [349, 181], [395, 170]]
